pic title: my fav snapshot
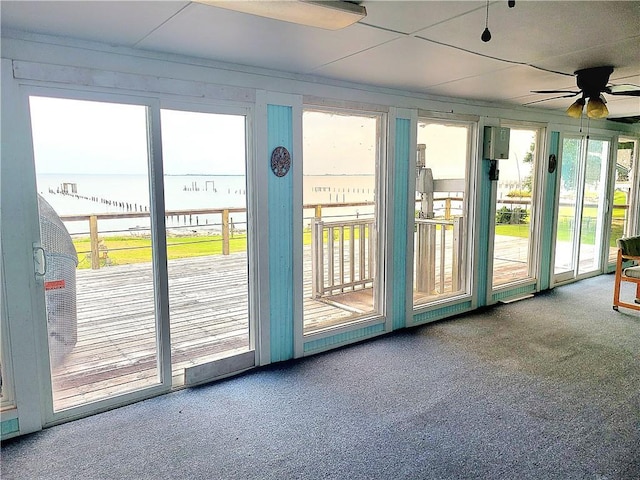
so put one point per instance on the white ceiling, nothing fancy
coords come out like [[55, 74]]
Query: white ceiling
[[431, 47]]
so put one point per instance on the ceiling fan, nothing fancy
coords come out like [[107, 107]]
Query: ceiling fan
[[592, 83]]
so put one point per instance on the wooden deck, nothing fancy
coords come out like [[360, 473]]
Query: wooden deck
[[116, 347], [511, 259]]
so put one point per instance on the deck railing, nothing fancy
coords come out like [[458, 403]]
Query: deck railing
[[437, 251], [191, 215], [188, 218], [193, 218], [342, 255]]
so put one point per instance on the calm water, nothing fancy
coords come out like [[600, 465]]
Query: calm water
[[130, 193]]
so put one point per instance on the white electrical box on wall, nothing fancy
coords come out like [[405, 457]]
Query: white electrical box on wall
[[496, 143]]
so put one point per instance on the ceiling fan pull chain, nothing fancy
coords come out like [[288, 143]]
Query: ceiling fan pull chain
[[486, 35]]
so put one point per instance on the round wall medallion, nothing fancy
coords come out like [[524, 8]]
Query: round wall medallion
[[280, 161]]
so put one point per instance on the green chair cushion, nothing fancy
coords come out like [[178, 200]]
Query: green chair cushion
[[629, 246]]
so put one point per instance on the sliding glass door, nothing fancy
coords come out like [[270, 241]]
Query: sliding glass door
[[580, 233], [143, 250], [96, 249]]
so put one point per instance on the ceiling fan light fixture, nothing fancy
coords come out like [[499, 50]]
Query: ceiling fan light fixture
[[575, 110], [330, 14], [596, 108]]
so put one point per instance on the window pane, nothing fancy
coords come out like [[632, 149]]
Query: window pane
[[441, 211], [627, 151], [565, 229], [206, 222], [93, 194], [512, 248], [591, 231], [340, 169]]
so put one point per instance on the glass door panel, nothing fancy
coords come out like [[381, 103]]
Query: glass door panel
[[622, 195], [565, 248], [206, 225], [593, 205], [341, 208], [441, 210], [514, 201], [91, 162], [581, 208]]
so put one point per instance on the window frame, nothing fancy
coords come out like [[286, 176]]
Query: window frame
[[153, 103], [539, 178], [379, 316], [469, 206]]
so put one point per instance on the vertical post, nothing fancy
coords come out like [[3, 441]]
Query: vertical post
[[314, 260], [225, 232], [443, 254], [341, 255], [447, 208], [371, 250], [420, 257], [318, 212], [319, 249], [362, 253], [330, 260], [430, 246], [426, 261], [625, 216], [93, 236], [456, 261], [352, 254], [431, 258]]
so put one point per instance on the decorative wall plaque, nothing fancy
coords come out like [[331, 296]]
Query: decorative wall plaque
[[280, 161]]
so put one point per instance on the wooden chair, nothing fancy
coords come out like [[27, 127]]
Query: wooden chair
[[628, 249]]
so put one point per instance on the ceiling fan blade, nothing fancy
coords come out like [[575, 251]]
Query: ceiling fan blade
[[630, 93], [623, 89], [552, 98], [555, 91]]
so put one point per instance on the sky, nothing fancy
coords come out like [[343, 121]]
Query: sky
[[83, 137], [336, 144]]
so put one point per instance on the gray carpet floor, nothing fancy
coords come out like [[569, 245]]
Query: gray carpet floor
[[545, 388]]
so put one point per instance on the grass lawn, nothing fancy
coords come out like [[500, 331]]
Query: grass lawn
[[564, 226], [124, 249], [564, 231]]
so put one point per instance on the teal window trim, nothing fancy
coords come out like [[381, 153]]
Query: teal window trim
[[320, 344], [402, 154], [280, 133], [9, 426]]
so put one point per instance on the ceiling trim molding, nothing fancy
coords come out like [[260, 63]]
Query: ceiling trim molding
[[29, 47]]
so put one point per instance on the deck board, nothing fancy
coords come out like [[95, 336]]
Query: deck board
[[116, 348]]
